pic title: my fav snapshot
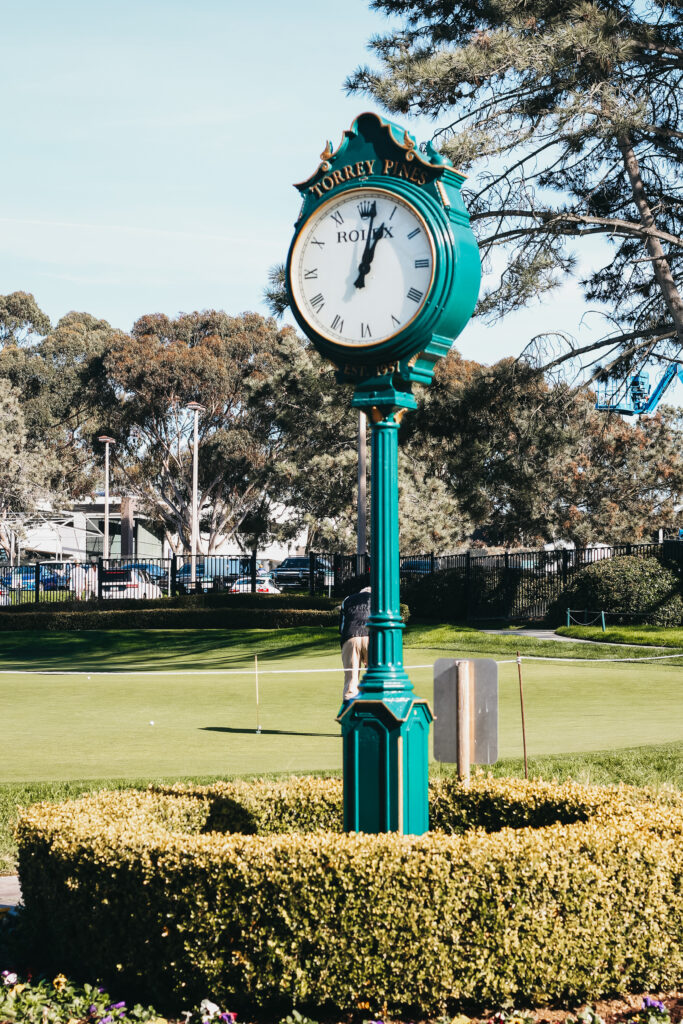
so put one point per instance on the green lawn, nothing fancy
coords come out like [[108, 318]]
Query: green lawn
[[659, 636], [64, 733], [66, 727]]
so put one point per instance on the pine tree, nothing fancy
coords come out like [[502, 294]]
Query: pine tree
[[567, 113]]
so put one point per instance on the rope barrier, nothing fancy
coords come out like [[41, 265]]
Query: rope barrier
[[315, 671], [576, 622]]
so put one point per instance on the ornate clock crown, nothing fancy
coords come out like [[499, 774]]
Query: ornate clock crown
[[365, 208]]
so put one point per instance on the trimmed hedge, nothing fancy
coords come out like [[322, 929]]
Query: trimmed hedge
[[530, 890], [212, 599], [439, 596], [188, 613], [167, 618], [637, 589]]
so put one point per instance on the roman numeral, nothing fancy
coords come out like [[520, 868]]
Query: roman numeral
[[337, 218], [314, 241], [415, 231], [393, 212], [421, 263], [311, 275], [365, 331], [337, 324], [415, 295], [396, 320], [317, 302]]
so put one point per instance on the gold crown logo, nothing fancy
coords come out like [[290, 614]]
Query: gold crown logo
[[367, 209]]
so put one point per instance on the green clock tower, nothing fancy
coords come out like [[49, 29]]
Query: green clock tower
[[383, 274]]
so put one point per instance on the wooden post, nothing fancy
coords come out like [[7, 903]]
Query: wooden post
[[464, 721]]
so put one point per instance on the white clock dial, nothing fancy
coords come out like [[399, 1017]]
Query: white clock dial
[[362, 267]]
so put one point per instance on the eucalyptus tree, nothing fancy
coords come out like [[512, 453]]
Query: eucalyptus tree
[[216, 360], [567, 114], [53, 395]]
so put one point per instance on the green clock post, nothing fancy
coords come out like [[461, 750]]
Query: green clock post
[[383, 274]]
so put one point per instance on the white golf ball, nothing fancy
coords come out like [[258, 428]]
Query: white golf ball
[[151, 723]]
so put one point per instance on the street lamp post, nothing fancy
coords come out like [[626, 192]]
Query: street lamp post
[[106, 441], [196, 409]]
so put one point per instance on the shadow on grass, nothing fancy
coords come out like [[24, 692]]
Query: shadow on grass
[[181, 650], [268, 732]]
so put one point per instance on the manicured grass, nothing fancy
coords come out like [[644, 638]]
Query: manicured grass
[[658, 636], [177, 650], [77, 728], [66, 727], [463, 638]]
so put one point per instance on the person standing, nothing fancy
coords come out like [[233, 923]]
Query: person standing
[[91, 581], [354, 636], [78, 580]]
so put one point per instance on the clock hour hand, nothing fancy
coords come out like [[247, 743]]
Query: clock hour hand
[[368, 254]]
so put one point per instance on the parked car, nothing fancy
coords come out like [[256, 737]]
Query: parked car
[[133, 583], [23, 577], [213, 571], [295, 572], [158, 573], [414, 567], [264, 585], [203, 580]]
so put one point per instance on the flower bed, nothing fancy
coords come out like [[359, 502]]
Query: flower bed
[[527, 891]]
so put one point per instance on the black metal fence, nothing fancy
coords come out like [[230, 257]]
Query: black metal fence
[[523, 584], [513, 585]]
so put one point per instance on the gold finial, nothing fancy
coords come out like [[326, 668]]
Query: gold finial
[[327, 152], [410, 146]]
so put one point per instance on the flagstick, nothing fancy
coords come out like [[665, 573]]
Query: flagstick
[[258, 723], [521, 701]]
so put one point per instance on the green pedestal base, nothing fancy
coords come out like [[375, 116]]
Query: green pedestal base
[[386, 753]]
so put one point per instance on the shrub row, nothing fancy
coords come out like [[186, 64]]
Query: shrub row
[[631, 589], [529, 891], [183, 613], [212, 599], [166, 618]]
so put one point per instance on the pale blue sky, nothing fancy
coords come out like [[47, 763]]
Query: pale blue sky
[[150, 148]]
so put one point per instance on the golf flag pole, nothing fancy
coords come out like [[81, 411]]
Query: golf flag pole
[[258, 722], [521, 703]]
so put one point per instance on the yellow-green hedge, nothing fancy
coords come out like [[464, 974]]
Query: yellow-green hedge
[[532, 891]]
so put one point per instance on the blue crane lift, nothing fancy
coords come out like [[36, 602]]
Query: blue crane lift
[[635, 396]]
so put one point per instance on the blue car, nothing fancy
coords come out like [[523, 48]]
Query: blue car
[[23, 577]]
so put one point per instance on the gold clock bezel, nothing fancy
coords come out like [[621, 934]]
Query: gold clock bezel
[[294, 264]]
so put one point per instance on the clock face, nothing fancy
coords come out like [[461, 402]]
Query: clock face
[[362, 267]]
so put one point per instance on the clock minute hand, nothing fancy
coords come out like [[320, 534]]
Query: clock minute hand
[[367, 210]]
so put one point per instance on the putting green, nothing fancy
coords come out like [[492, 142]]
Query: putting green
[[62, 727]]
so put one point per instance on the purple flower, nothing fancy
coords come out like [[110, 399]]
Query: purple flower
[[653, 1004], [116, 1006], [107, 1020]]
